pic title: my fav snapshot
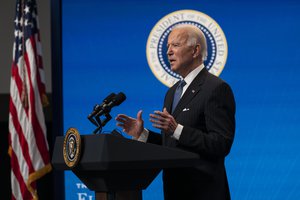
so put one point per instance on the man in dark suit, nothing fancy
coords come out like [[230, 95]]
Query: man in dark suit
[[198, 116]]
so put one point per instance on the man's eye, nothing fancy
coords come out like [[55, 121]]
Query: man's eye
[[173, 45]]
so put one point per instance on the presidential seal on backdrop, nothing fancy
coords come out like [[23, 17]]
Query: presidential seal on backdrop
[[156, 48], [72, 147]]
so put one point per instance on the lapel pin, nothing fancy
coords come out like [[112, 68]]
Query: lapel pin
[[193, 91]]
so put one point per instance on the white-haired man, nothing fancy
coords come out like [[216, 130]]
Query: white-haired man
[[198, 116]]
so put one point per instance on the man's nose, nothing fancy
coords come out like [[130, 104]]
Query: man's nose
[[169, 51]]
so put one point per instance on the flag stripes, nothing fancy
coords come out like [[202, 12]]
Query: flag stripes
[[29, 150]]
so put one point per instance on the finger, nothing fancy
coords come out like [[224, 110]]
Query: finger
[[157, 126], [123, 120], [120, 125], [161, 113], [156, 121], [124, 127], [163, 128], [158, 117], [165, 111], [122, 116], [139, 115]]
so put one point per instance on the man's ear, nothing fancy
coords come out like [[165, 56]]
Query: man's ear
[[197, 51]]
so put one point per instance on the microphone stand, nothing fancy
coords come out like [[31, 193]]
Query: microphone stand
[[102, 122]]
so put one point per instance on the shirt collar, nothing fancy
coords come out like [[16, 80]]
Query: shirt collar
[[192, 75]]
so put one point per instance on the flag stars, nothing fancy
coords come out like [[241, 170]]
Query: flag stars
[[16, 33], [17, 21], [27, 10], [20, 47], [20, 34], [27, 23]]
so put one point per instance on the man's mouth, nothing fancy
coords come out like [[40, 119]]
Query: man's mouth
[[171, 61]]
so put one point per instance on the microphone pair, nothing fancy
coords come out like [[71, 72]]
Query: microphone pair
[[105, 107]]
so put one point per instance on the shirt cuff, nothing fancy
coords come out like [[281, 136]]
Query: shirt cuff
[[143, 137], [177, 132]]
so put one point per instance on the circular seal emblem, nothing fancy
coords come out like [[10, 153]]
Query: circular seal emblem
[[72, 147], [157, 44]]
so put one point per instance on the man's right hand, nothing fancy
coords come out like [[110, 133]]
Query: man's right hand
[[131, 126]]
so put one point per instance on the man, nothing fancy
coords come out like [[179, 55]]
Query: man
[[202, 122]]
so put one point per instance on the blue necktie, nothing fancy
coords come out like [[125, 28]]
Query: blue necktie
[[177, 94]]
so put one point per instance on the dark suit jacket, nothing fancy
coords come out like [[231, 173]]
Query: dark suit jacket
[[209, 126]]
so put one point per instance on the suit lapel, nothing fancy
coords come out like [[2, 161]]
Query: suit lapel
[[190, 93]]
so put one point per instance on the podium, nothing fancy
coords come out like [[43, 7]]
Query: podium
[[120, 168]]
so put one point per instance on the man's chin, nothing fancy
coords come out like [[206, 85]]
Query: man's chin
[[173, 68]]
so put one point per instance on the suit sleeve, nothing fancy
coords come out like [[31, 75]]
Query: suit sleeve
[[154, 138], [219, 114]]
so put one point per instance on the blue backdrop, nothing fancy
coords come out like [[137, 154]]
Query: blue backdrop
[[104, 51]]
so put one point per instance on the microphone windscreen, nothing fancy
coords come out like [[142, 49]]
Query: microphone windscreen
[[119, 98], [109, 98]]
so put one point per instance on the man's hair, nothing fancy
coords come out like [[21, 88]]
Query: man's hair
[[195, 36]]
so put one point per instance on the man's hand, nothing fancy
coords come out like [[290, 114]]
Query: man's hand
[[163, 121], [131, 126]]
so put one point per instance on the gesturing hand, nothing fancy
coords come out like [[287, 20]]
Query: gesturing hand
[[131, 126], [163, 121]]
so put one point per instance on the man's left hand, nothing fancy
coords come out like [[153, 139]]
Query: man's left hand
[[163, 121]]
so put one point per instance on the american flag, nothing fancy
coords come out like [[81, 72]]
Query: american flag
[[29, 150]]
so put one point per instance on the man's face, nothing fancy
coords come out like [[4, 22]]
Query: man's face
[[180, 55]]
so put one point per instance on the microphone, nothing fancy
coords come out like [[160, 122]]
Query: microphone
[[98, 107], [108, 103], [115, 101]]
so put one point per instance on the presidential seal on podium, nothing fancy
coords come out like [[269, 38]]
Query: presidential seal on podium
[[72, 147]]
